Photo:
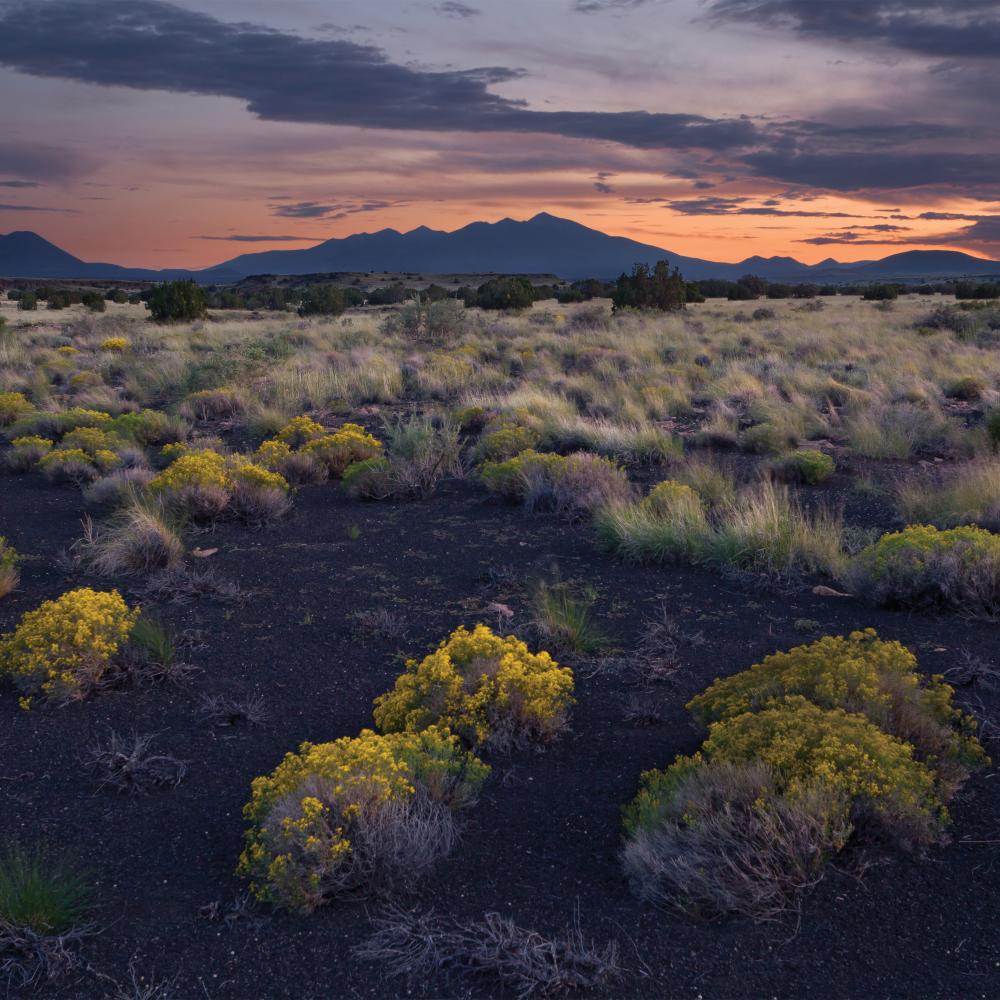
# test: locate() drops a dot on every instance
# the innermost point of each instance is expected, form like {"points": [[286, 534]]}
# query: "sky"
{"points": [[179, 133]]}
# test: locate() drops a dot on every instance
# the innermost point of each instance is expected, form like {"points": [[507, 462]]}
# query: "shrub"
{"points": [[363, 815], [196, 484], [862, 674], [920, 566], [203, 484], [115, 345], [506, 442], [299, 430], [351, 443], [871, 774], [9, 574], [26, 452], [567, 484], [418, 455], [723, 839], [488, 689], [807, 466], [148, 427], [177, 301], [13, 407], [71, 465], [63, 648]]}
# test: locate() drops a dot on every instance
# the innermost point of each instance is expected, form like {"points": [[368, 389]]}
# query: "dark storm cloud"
{"points": [[857, 170], [19, 184], [334, 211], [155, 45], [983, 235], [34, 163], [739, 206], [947, 29], [35, 208]]}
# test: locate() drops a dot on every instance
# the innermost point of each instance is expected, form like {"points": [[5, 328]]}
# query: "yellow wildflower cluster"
{"points": [[63, 648], [67, 350], [208, 470], [33, 441], [298, 430], [336, 450], [303, 815], [68, 462], [858, 673], [13, 406], [115, 344], [487, 688]]}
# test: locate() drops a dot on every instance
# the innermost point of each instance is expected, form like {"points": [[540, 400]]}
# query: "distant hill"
{"points": [[544, 243]]}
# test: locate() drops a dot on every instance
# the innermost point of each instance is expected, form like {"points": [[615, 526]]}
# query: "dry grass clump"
{"points": [[715, 851], [416, 945], [139, 539], [130, 764], [968, 494]]}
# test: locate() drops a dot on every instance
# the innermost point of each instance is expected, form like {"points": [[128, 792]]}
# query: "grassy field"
{"points": [[489, 566]]}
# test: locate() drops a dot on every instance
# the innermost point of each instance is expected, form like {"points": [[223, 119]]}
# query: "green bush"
{"points": [[920, 566], [808, 466], [177, 301]]}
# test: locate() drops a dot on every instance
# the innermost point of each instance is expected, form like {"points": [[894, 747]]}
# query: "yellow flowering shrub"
{"points": [[248, 473], [807, 747], [509, 479], [25, 451], [13, 406], [63, 648], [922, 566], [299, 430], [91, 440], [67, 350], [69, 464], [312, 819], [858, 673], [351, 443], [488, 689], [192, 469], [115, 345], [507, 441], [85, 380], [272, 453]]}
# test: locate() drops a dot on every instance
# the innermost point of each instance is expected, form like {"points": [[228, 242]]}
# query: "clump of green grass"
{"points": [[564, 617], [40, 893]]}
